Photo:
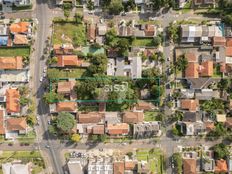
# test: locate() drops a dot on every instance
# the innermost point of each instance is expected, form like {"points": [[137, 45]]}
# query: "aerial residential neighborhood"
{"points": [[115, 87]]}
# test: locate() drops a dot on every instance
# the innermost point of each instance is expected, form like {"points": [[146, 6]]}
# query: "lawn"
{"points": [[154, 158], [72, 73], [28, 138], [8, 52], [216, 71], [150, 116], [69, 33], [143, 42]]}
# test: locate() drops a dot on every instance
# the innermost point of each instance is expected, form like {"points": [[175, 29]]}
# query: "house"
{"points": [[91, 117], [91, 32], [12, 101], [189, 104], [199, 33], [219, 41], [10, 63], [191, 116], [149, 30], [68, 61], [99, 129], [143, 167], [101, 29], [11, 168], [209, 126], [221, 166], [4, 40], [15, 127], [191, 70], [208, 164], [75, 166], [145, 106], [66, 106], [206, 69], [130, 165], [20, 39], [133, 117], [189, 166], [204, 94], [2, 122], [121, 67], [146, 129], [20, 27], [117, 129], [66, 87], [112, 118], [100, 165], [64, 49], [221, 118], [119, 167], [228, 122]]}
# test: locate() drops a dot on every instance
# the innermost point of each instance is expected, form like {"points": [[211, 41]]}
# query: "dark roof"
{"points": [[191, 116]]}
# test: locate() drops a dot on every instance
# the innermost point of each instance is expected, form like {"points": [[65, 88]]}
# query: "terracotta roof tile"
{"points": [[206, 68], [189, 166], [119, 168], [16, 124], [229, 51], [209, 126], [21, 27], [118, 129], [149, 30], [91, 32], [11, 62], [142, 105], [229, 42], [66, 106], [133, 117], [219, 41], [130, 165], [20, 39], [12, 100], [221, 166], [189, 104], [63, 49], [191, 57], [228, 122], [65, 87], [91, 117], [68, 60], [192, 70], [99, 129]]}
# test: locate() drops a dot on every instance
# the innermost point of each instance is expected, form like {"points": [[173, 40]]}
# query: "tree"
{"points": [[220, 151], [115, 7], [157, 41], [24, 90], [51, 97], [78, 18], [123, 46], [181, 63], [155, 91], [177, 162], [223, 84], [90, 5], [76, 138], [173, 32], [53, 73], [65, 122], [24, 101], [111, 38], [98, 64], [52, 129], [31, 120]]}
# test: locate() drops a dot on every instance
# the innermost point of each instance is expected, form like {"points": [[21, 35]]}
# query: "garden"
{"points": [[13, 51]]}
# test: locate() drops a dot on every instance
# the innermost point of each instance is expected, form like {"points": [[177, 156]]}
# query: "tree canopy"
{"points": [[98, 64], [181, 63], [65, 122], [220, 151], [76, 138], [115, 7]]}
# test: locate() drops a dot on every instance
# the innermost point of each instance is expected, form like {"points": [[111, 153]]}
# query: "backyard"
{"points": [[150, 116], [25, 157], [69, 33], [71, 73], [154, 157], [10, 51], [143, 42]]}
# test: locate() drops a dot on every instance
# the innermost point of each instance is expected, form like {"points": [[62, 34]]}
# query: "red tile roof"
{"points": [[118, 129], [133, 117], [99, 129], [219, 41], [228, 122], [229, 42], [65, 87], [130, 165], [119, 168], [16, 124], [192, 70], [21, 27], [91, 32], [189, 104], [191, 57], [66, 106], [206, 68], [149, 30], [221, 166], [68, 60], [11, 62], [20, 39], [12, 100], [229, 51], [142, 105], [189, 166], [91, 117]]}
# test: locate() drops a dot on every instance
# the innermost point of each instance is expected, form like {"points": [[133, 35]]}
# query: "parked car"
{"points": [[41, 79]]}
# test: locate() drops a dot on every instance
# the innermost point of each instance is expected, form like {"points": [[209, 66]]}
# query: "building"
{"points": [[117, 129], [100, 165], [11, 168], [221, 118], [11, 63], [2, 122], [101, 29], [189, 166], [189, 104], [91, 117], [144, 106], [12, 101], [74, 167], [4, 40], [65, 106], [146, 130], [15, 127], [68, 61], [208, 165], [133, 117], [64, 49], [221, 166], [119, 167], [66, 87], [91, 32], [20, 39], [20, 27]]}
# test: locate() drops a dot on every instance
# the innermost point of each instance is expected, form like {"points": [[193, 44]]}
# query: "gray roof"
{"points": [[146, 129], [9, 168], [208, 165], [75, 167], [191, 116]]}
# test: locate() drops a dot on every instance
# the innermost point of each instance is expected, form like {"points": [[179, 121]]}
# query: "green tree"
{"points": [[115, 7], [181, 63], [51, 97], [78, 18], [24, 101], [223, 84], [220, 151], [90, 5], [123, 46], [65, 122], [111, 38], [173, 32], [76, 138], [155, 91], [52, 129], [177, 162], [157, 41], [31, 120], [98, 64]]}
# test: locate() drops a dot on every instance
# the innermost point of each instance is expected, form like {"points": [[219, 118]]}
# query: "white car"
{"points": [[152, 18], [41, 79], [45, 69]]}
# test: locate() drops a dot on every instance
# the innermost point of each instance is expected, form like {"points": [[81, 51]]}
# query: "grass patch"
{"points": [[155, 22], [216, 71], [8, 52], [28, 138], [69, 33], [72, 73], [150, 116], [143, 42], [22, 7]]}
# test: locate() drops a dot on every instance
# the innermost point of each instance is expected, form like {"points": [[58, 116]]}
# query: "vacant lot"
{"points": [[54, 73], [8, 52], [143, 42], [69, 33]]}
